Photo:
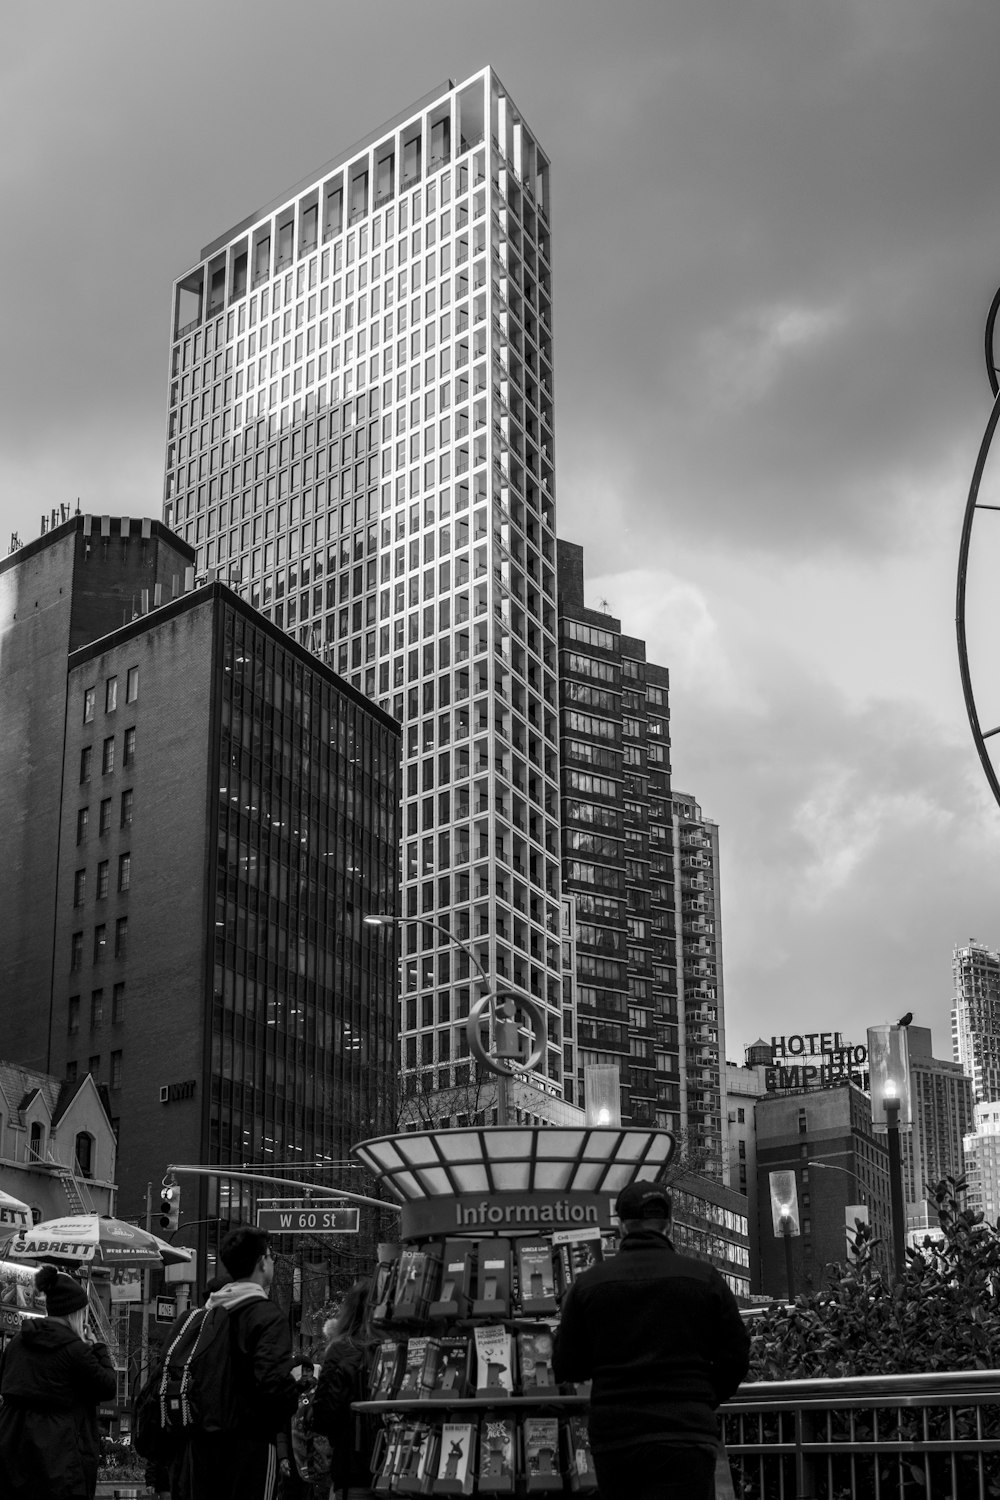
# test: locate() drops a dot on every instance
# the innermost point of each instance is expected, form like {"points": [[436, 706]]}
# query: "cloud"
{"points": [[763, 347], [850, 821], [847, 839]]}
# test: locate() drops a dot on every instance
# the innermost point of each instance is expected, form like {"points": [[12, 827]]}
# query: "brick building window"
{"points": [[76, 952], [111, 695], [82, 819], [73, 1015], [86, 761], [132, 685], [118, 1005], [121, 937], [102, 880], [126, 807], [104, 826], [128, 757], [116, 1070], [96, 1008], [100, 942], [108, 758], [89, 704], [124, 871], [79, 887]]}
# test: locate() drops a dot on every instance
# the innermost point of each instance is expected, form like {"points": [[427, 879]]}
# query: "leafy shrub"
{"points": [[943, 1313], [119, 1461]]}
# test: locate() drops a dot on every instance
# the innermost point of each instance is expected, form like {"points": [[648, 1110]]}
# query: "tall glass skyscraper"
{"points": [[360, 438]]}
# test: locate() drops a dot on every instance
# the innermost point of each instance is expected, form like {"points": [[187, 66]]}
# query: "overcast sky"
{"points": [[776, 236]]}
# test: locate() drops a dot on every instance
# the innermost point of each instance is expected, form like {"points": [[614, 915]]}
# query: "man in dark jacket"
{"points": [[242, 1464], [661, 1338]]}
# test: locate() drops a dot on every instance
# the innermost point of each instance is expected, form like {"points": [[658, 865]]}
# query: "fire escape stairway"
{"points": [[75, 1187]]}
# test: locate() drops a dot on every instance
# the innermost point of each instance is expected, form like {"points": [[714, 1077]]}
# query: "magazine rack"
{"points": [[496, 1223]]}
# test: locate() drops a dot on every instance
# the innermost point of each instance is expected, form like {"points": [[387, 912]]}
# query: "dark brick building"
{"points": [[79, 582], [218, 810], [824, 1136]]}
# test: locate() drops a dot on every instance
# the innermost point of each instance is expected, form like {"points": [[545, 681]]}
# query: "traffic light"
{"points": [[170, 1206]]}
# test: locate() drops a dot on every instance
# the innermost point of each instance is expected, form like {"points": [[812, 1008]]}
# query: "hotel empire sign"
{"points": [[815, 1059]]}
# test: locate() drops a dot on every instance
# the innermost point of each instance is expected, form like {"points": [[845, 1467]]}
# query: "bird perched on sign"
{"points": [[905, 1020]]}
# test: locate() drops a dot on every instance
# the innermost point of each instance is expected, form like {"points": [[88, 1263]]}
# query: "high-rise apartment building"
{"points": [[981, 1147], [360, 435], [975, 1017], [701, 991], [619, 868], [941, 1114], [745, 1085]]}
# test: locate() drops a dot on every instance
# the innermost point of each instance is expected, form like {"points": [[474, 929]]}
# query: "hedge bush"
{"points": [[943, 1313]]}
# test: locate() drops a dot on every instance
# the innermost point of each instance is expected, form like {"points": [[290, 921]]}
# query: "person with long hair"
{"points": [[52, 1379], [341, 1381]]}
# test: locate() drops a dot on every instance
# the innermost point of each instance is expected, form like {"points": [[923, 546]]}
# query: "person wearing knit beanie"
{"points": [[62, 1293], [53, 1380]]}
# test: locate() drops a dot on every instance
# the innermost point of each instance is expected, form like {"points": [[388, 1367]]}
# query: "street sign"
{"points": [[308, 1220], [165, 1310]]}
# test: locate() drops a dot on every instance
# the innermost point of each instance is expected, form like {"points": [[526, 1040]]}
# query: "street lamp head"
{"points": [[890, 1091], [379, 919]]}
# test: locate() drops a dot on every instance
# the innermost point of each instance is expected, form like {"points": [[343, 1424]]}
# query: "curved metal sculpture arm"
{"points": [[971, 506], [991, 318]]}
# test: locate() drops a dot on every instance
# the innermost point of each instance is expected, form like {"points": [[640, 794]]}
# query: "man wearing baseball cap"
{"points": [[661, 1338]]}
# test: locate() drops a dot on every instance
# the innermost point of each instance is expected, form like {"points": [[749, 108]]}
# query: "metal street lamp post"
{"points": [[785, 1218], [889, 1061], [896, 1210]]}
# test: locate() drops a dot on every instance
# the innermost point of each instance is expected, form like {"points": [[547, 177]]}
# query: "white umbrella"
{"points": [[173, 1255], [95, 1239], [15, 1216]]}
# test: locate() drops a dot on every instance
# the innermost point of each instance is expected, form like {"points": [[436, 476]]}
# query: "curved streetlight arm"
{"points": [[385, 920], [477, 1011], [831, 1166]]}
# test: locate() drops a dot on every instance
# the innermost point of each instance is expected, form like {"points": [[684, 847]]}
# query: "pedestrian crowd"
{"points": [[228, 1413]]}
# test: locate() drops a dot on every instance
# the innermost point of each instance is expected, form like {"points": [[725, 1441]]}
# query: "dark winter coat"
{"points": [[238, 1464], [51, 1383], [341, 1381], [661, 1337]]}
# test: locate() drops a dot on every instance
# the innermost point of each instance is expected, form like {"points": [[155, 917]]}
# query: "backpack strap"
{"points": [[196, 1312]]}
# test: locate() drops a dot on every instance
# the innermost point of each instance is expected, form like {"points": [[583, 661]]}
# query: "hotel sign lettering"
{"points": [[815, 1059]]}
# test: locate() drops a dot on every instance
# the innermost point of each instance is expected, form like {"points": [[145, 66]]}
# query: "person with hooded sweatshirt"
{"points": [[242, 1464], [52, 1378], [661, 1338]]}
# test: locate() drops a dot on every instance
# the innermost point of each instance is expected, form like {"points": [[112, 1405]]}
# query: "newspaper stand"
{"points": [[495, 1223]]}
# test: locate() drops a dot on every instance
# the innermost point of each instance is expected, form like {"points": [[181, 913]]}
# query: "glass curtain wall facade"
{"points": [[620, 985], [360, 437], [303, 1029]]}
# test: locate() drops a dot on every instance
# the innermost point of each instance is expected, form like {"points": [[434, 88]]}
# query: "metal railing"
{"points": [[873, 1437]]}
